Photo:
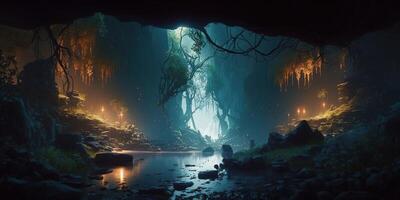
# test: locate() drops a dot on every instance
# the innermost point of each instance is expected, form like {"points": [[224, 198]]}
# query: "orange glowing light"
{"points": [[304, 111], [121, 175], [323, 104], [102, 109], [300, 71], [298, 111], [121, 114]]}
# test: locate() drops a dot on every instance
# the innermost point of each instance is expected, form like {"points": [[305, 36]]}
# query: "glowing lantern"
{"points": [[304, 111], [298, 111], [102, 109], [323, 104]]}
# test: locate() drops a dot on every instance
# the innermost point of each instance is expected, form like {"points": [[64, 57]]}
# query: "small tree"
{"points": [[175, 76]]}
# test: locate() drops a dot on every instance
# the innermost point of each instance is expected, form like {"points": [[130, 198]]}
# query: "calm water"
{"points": [[161, 169]]}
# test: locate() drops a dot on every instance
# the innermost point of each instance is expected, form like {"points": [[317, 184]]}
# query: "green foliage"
{"points": [[174, 78], [63, 161], [282, 153], [198, 39], [241, 155], [177, 71], [287, 153]]}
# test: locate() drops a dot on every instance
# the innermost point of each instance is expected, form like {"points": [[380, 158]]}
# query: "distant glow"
{"points": [[323, 104], [102, 109], [304, 111], [205, 118], [298, 111], [179, 30], [206, 122]]}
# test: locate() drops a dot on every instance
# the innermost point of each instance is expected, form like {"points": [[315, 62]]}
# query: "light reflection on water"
{"points": [[161, 169]]}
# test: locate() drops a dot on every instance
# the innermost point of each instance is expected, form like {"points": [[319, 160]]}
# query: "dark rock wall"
{"points": [[28, 113]]}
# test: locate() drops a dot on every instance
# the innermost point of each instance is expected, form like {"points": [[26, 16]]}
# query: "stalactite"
{"points": [[86, 65], [303, 72]]}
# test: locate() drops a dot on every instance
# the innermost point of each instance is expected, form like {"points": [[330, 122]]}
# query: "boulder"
{"points": [[226, 151], [209, 174], [182, 185], [275, 140], [208, 151], [37, 81], [95, 177], [303, 134], [101, 171], [113, 159]]}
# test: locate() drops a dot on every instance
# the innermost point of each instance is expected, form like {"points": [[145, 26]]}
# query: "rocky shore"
{"points": [[362, 164]]}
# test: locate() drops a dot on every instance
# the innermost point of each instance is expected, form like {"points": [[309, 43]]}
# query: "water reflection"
{"points": [[161, 169], [121, 175]]}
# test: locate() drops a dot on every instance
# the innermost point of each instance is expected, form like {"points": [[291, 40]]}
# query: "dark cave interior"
{"points": [[200, 100]]}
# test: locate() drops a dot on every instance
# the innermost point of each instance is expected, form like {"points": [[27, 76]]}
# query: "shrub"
{"points": [[63, 161]]}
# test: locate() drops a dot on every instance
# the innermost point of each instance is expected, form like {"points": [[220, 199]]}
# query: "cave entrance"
{"points": [[199, 109], [204, 119]]}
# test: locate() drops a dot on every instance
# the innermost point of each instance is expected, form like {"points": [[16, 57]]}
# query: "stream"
{"points": [[162, 169]]}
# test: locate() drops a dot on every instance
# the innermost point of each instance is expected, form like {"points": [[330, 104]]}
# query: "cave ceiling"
{"points": [[317, 22]]}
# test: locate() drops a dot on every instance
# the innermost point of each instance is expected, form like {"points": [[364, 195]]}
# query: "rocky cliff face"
{"points": [[28, 110]]}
